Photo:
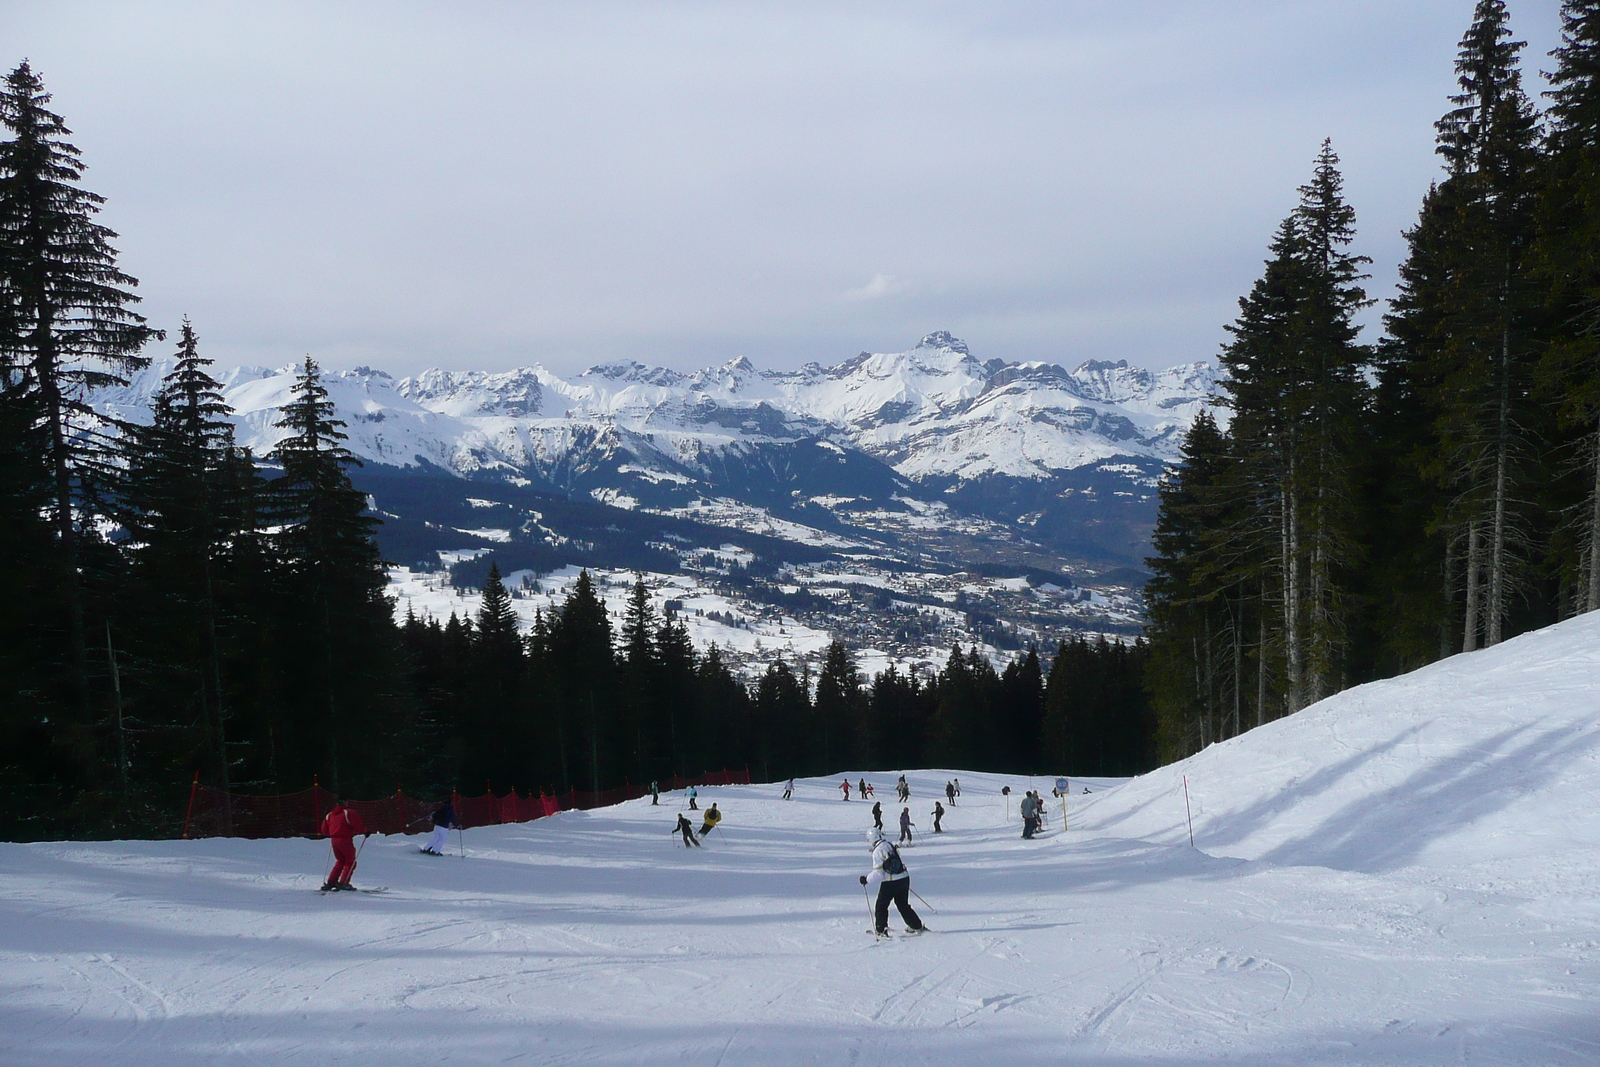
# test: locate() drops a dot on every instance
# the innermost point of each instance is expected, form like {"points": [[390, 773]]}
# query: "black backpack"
{"points": [[892, 863]]}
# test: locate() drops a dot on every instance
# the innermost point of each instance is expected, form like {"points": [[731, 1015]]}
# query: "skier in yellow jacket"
{"points": [[712, 817]]}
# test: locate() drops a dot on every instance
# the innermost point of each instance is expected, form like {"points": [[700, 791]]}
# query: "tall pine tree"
{"points": [[66, 327]]}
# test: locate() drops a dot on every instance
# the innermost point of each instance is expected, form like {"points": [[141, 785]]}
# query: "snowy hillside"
{"points": [[1404, 874]]}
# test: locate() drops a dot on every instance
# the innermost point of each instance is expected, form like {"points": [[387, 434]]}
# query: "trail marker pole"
{"points": [[1187, 811], [461, 839]]}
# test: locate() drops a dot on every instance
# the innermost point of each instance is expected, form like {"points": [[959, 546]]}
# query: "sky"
{"points": [[489, 185]]}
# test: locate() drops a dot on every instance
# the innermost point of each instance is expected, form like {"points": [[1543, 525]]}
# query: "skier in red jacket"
{"points": [[341, 826]]}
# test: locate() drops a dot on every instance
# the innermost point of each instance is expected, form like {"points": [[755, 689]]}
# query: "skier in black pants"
{"points": [[655, 795], [788, 790], [950, 793], [894, 884], [687, 831], [938, 813], [1029, 806], [905, 826], [877, 814]]}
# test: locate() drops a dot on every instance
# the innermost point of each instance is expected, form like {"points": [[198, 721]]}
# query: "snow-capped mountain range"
{"points": [[1010, 442]]}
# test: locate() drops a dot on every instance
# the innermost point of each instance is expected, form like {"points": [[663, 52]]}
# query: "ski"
{"points": [[353, 889]]}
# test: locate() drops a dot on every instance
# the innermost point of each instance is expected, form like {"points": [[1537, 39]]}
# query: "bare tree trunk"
{"points": [[1469, 634], [1199, 688], [1293, 663], [1495, 609], [1449, 597], [1592, 601], [1261, 660], [1238, 664], [1319, 638], [1211, 683]]}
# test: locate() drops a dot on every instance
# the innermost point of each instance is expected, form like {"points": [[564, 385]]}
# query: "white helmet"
{"points": [[874, 836]]}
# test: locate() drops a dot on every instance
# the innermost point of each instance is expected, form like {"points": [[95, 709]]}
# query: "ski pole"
{"points": [[872, 920], [925, 904]]}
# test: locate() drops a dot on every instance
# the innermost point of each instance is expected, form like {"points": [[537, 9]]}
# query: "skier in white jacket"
{"points": [[889, 874]]}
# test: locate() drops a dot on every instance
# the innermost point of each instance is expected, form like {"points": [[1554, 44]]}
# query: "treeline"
{"points": [[576, 704], [176, 605], [1367, 509]]}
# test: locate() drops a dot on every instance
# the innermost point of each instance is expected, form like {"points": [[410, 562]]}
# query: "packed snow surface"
{"points": [[1403, 874]]}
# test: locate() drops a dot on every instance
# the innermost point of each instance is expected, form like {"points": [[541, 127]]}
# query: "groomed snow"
{"points": [[1404, 874]]}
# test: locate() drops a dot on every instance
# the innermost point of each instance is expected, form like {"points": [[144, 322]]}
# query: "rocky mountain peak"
{"points": [[944, 339]]}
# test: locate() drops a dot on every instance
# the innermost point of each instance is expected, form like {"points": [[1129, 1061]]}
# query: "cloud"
{"points": [[881, 285]]}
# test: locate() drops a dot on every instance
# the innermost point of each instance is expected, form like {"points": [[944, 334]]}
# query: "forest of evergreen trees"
{"points": [[177, 605], [1370, 508]]}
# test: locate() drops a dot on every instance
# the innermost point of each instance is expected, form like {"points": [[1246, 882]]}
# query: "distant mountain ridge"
{"points": [[1013, 443]]}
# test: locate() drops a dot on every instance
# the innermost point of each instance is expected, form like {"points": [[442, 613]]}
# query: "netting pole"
{"points": [[193, 788]]}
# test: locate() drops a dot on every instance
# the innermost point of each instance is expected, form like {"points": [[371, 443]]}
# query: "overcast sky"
{"points": [[487, 185]]}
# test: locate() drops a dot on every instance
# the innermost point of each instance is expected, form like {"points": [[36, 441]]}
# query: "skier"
{"points": [[341, 826], [877, 814], [938, 813], [845, 785], [902, 790], [712, 817], [1027, 816], [692, 794], [861, 790], [655, 793], [957, 784], [444, 820], [950, 793], [905, 826], [894, 883], [869, 789], [788, 790], [686, 830]]}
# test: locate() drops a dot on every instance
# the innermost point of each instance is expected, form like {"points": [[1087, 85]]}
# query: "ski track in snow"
{"points": [[1404, 874]]}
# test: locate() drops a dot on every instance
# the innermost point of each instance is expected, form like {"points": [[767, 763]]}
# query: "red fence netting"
{"points": [[213, 813]]}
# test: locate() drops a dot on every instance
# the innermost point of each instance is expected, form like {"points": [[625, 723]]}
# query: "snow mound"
{"points": [[1489, 759]]}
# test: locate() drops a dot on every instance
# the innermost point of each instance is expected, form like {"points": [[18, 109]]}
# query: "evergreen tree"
{"points": [[676, 711], [582, 674], [65, 328], [340, 642], [651, 722], [1567, 266], [724, 706], [1468, 314], [1208, 575], [1022, 713], [497, 726], [783, 716], [839, 708], [1296, 387], [180, 510]]}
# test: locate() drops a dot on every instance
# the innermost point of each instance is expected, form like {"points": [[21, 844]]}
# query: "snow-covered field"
{"points": [[1405, 874]]}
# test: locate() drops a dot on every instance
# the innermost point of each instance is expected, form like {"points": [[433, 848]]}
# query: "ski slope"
{"points": [[1404, 874]]}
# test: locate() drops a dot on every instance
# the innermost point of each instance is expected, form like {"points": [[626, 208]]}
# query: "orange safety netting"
{"points": [[213, 813]]}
